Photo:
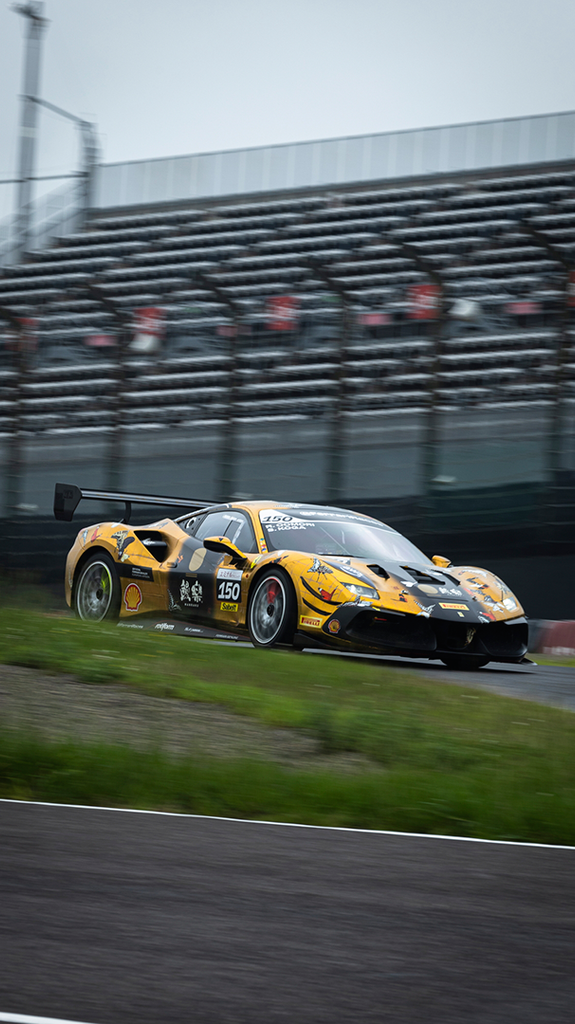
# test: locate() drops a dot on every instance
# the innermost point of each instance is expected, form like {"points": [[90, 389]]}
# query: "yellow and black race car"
{"points": [[287, 573]]}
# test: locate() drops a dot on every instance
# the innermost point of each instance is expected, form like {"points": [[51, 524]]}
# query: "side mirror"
{"points": [[226, 547], [441, 561]]}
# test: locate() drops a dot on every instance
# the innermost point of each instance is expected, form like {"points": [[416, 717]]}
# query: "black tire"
{"points": [[272, 609], [97, 589], [463, 663]]}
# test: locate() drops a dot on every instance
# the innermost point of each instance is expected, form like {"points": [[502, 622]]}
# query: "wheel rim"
{"points": [[94, 594], [267, 610]]}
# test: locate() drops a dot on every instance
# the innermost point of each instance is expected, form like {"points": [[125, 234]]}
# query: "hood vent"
{"points": [[424, 577], [377, 569]]}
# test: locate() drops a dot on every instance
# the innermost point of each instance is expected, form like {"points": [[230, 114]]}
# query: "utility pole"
{"points": [[337, 444], [229, 442], [33, 12]]}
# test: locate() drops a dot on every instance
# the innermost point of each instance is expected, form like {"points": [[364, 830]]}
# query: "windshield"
{"points": [[327, 532]]}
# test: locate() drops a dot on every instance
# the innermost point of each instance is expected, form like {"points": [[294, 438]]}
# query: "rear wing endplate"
{"points": [[67, 497]]}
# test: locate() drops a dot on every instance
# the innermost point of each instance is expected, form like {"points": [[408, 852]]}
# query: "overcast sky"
{"points": [[164, 77]]}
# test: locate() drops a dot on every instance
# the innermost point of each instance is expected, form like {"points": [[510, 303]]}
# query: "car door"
{"points": [[203, 586]]}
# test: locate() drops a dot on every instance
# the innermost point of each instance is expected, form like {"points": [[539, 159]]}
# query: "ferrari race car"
{"points": [[287, 573]]}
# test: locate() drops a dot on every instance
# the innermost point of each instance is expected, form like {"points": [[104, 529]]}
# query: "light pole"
{"points": [[33, 12]]}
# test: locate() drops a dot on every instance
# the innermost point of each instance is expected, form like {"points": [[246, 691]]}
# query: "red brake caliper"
{"points": [[273, 590]]}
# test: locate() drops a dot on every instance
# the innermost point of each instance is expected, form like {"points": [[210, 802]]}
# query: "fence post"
{"points": [[432, 425], [15, 447], [115, 456], [556, 500], [226, 485], [338, 440], [227, 482]]}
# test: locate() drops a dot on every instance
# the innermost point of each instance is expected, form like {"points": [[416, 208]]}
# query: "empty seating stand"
{"points": [[473, 232]]}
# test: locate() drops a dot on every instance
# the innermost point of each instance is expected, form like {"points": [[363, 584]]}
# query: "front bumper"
{"points": [[416, 636]]}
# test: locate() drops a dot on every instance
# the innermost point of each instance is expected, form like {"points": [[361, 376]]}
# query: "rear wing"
{"points": [[67, 497]]}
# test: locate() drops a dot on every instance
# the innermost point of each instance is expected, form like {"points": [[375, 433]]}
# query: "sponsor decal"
{"points": [[132, 597], [228, 606], [306, 620], [164, 626], [191, 594], [130, 625], [137, 572], [319, 568], [228, 591], [88, 537], [334, 626], [263, 547], [192, 629], [122, 539], [426, 609], [452, 604], [229, 574], [350, 571]]}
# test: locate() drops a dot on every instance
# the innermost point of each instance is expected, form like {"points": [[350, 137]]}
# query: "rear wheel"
{"points": [[97, 589], [272, 610], [464, 664]]}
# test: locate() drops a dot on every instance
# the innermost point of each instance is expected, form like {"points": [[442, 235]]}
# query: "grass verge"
{"points": [[502, 805], [448, 760]]}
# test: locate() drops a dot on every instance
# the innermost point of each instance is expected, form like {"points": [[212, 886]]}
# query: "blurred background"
{"points": [[384, 321]]}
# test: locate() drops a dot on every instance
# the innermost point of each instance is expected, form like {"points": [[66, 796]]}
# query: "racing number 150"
{"points": [[228, 591]]}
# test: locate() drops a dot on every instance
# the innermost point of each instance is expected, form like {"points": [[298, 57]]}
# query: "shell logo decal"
{"points": [[132, 597]]}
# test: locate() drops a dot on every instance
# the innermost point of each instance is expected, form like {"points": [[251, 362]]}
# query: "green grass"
{"points": [[492, 805], [446, 759]]}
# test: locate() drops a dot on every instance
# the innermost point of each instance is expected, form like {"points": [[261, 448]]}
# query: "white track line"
{"points": [[24, 1018], [287, 824]]}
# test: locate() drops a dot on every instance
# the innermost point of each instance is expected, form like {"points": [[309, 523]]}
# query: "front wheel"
{"points": [[272, 610], [464, 664], [97, 589]]}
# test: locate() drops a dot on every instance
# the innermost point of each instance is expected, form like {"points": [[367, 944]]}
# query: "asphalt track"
{"points": [[553, 685], [118, 917], [544, 684]]}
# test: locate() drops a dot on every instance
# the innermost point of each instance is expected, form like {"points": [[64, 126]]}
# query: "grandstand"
{"points": [[351, 261]]}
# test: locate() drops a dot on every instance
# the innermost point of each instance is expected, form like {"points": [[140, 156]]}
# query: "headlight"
{"points": [[362, 591]]}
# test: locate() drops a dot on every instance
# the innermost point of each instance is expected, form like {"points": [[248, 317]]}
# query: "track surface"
{"points": [[545, 684], [114, 918]]}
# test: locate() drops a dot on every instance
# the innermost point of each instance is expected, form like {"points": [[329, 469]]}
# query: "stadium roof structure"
{"points": [[454, 149]]}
